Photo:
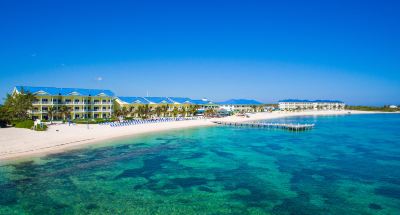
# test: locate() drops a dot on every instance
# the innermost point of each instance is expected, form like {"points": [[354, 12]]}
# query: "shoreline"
{"points": [[20, 144]]}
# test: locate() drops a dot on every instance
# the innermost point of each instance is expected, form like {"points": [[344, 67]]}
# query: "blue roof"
{"points": [[201, 102], [134, 100], [240, 102], [163, 100], [54, 91], [159, 100], [311, 101], [181, 100]]}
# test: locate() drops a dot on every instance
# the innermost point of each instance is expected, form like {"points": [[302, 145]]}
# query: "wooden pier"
{"points": [[285, 126]]}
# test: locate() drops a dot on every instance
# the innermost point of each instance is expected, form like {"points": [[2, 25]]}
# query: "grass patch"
{"points": [[28, 124], [24, 124], [91, 121]]}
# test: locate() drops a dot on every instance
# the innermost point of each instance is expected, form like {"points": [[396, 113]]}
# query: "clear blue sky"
{"points": [[265, 50]]}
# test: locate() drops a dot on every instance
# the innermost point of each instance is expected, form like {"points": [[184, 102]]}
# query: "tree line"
{"points": [[15, 108], [146, 111], [385, 108]]}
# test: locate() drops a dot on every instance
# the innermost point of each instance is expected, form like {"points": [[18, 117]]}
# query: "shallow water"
{"points": [[345, 165]]}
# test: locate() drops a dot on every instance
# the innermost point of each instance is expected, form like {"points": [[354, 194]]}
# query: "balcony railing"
{"points": [[73, 111], [39, 111], [72, 103]]}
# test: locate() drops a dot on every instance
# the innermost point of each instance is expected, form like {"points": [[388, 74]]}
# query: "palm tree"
{"points": [[254, 107], [143, 111], [64, 111], [117, 112], [193, 109], [51, 112], [158, 110], [175, 112], [183, 111], [132, 111], [164, 110], [124, 112], [209, 112], [139, 111]]}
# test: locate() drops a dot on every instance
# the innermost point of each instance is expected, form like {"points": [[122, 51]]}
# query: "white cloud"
{"points": [[99, 78]]}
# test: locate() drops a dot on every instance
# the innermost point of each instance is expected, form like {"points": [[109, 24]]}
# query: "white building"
{"points": [[295, 104]]}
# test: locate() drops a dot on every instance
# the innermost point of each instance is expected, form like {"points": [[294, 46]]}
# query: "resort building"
{"points": [[79, 103], [204, 104], [165, 106], [295, 104], [241, 106]]}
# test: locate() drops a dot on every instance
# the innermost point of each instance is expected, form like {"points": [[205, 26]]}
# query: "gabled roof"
{"points": [[162, 100], [181, 100], [311, 101], [240, 102], [158, 100], [54, 91], [201, 102], [133, 100]]}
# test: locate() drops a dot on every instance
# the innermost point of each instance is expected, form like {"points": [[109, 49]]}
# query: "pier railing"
{"points": [[286, 126]]}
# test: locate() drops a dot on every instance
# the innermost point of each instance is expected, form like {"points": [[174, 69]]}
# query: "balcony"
{"points": [[71, 103], [78, 111]]}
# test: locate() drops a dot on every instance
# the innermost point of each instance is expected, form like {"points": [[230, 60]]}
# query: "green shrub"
{"points": [[24, 124], [43, 128]]}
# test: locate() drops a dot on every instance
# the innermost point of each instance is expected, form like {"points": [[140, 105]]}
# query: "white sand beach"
{"points": [[20, 143]]}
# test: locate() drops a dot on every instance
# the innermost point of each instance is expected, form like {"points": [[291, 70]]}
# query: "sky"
{"points": [[264, 50]]}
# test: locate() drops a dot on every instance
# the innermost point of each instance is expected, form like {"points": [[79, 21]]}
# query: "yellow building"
{"points": [[81, 103], [169, 103]]}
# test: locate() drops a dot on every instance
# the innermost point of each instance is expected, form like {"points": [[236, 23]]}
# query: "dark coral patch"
{"points": [[375, 206], [189, 182], [92, 206], [391, 192]]}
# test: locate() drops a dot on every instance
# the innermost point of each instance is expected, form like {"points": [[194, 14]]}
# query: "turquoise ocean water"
{"points": [[346, 165]]}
